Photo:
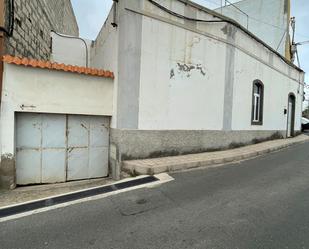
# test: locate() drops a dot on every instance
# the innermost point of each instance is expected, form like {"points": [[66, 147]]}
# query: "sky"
{"points": [[91, 15]]}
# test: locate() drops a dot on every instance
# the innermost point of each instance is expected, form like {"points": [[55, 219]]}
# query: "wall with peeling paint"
{"points": [[183, 86], [198, 76]]}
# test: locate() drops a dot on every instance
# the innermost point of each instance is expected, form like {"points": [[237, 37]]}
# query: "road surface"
{"points": [[262, 203]]}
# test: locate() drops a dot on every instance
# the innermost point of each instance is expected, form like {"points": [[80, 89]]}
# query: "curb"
{"points": [[208, 159], [49, 202]]}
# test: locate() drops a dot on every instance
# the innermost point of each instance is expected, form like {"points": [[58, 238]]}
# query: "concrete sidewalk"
{"points": [[208, 159], [30, 193]]}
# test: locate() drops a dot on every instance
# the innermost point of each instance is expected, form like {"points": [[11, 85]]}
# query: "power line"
{"points": [[182, 16]]}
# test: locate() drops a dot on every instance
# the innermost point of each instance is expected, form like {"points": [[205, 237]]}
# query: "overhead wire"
{"points": [[182, 16], [225, 20], [77, 38]]}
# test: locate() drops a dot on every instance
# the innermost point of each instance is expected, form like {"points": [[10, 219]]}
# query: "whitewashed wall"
{"points": [[28, 89], [70, 50], [173, 99], [276, 90], [104, 54], [269, 20]]}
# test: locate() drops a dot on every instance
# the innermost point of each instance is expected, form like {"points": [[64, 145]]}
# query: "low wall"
{"points": [[140, 144]]}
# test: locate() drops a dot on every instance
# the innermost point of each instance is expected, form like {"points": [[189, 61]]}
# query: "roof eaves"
{"points": [[57, 66]]}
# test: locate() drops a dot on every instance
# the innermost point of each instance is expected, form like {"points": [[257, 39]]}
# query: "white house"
{"points": [[185, 79], [188, 80]]}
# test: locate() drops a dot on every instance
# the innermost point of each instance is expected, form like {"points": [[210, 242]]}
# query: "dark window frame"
{"points": [[293, 96], [261, 110]]}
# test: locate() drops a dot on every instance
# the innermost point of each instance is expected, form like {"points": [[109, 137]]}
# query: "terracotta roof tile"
{"points": [[57, 66]]}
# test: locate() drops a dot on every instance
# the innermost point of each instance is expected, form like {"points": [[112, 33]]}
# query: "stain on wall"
{"points": [[7, 172], [186, 70]]}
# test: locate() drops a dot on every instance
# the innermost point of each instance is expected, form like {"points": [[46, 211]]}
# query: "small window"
{"points": [[257, 103]]}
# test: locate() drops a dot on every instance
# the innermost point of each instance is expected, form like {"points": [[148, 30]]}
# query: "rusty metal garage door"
{"points": [[57, 148]]}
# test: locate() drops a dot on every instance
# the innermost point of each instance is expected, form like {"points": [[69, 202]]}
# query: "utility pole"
{"points": [[294, 45]]}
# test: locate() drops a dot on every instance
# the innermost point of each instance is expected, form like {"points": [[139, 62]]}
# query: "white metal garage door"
{"points": [[57, 148]]}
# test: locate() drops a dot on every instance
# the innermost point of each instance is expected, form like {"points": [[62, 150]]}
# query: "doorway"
{"points": [[291, 116]]}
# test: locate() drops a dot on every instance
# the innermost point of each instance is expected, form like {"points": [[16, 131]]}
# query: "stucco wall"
{"points": [[104, 54], [181, 86], [71, 50], [191, 82], [43, 91], [277, 88], [36, 90], [199, 76], [269, 20]]}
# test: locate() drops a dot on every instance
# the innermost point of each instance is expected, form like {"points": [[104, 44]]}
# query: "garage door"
{"points": [[57, 148]]}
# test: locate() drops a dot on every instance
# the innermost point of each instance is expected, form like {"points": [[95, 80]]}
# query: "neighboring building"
{"points": [[268, 20], [25, 31], [186, 80], [54, 122], [29, 24]]}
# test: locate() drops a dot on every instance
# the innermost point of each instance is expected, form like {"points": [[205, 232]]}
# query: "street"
{"points": [[261, 203]]}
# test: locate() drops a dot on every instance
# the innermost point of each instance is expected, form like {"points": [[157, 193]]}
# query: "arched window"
{"points": [[257, 103]]}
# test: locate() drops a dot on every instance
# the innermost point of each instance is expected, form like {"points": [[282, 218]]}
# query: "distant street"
{"points": [[261, 203]]}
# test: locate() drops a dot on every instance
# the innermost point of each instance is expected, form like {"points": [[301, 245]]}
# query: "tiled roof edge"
{"points": [[57, 66]]}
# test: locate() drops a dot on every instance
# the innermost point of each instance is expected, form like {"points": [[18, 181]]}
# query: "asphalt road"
{"points": [[262, 203]]}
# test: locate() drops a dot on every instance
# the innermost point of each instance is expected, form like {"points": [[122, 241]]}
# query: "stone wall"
{"points": [[32, 25]]}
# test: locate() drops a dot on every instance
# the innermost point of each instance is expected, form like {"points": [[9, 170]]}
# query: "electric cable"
{"points": [[78, 38], [185, 17], [223, 19]]}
